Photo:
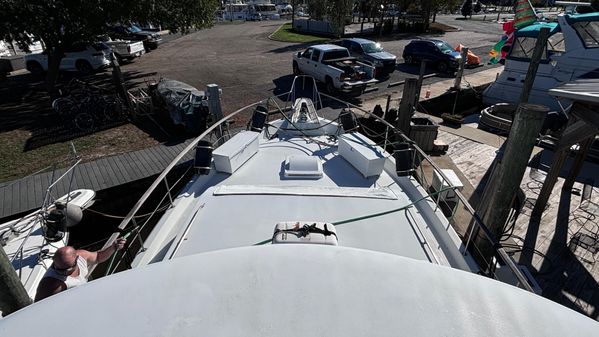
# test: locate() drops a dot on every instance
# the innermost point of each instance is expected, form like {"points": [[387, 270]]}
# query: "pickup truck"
{"points": [[151, 40], [333, 66], [125, 49]]}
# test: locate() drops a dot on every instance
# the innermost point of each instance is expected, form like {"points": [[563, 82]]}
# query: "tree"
{"points": [[467, 8], [59, 23], [477, 7], [335, 11], [595, 4]]}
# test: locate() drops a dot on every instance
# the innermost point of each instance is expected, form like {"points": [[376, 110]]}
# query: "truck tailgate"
{"points": [[136, 47]]}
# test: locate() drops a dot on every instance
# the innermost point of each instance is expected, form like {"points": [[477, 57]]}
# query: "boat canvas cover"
{"points": [[180, 98], [534, 29]]}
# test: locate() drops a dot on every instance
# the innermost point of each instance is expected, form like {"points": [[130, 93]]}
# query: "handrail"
{"points": [[477, 221], [166, 171], [38, 215]]}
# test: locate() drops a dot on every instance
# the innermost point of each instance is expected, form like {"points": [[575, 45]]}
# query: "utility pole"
{"points": [[534, 64], [14, 296], [406, 106]]}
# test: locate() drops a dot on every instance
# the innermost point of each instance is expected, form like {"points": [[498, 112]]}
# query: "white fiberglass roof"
{"points": [[242, 209], [296, 290]]}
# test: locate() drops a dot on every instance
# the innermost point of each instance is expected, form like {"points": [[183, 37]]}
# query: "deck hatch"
{"points": [[302, 167]]}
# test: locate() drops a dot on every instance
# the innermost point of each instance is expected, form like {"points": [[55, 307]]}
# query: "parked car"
{"points": [[372, 53], [124, 49], [436, 52], [333, 66], [150, 39], [81, 57]]}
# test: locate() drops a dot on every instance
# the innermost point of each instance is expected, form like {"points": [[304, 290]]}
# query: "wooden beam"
{"points": [[578, 163], [575, 133], [588, 113], [550, 180], [406, 106]]}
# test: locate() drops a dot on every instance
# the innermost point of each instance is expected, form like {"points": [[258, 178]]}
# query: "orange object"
{"points": [[471, 59]]}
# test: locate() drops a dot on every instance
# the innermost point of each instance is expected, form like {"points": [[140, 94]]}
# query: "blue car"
{"points": [[436, 52]]}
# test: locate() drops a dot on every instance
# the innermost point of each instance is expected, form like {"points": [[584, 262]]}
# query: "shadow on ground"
{"points": [[563, 272], [25, 104]]}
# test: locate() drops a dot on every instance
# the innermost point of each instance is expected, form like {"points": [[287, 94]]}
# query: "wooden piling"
{"points": [[534, 64], [406, 107], [14, 296]]}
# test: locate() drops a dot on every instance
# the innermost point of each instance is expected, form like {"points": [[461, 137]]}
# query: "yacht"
{"points": [[306, 223], [572, 53]]}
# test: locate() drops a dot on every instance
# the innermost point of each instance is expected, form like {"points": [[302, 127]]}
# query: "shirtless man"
{"points": [[70, 268]]}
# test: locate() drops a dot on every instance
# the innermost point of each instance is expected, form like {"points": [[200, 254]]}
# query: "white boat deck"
{"points": [[242, 209]]}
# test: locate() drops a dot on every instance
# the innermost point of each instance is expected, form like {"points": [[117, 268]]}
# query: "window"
{"points": [[523, 48], [444, 47], [308, 53], [335, 54], [588, 33], [556, 43], [315, 55], [76, 47], [372, 47]]}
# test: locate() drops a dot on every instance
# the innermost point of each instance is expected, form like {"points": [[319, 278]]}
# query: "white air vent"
{"points": [[313, 232], [303, 167]]}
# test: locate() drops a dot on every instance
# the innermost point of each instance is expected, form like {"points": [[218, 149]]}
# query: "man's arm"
{"points": [[101, 255], [47, 287]]}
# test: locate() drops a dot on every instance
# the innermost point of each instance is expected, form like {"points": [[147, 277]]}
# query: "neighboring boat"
{"points": [[303, 226], [572, 53], [31, 241]]}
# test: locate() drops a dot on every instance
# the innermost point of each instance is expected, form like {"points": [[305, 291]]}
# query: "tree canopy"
{"points": [[58, 23]]}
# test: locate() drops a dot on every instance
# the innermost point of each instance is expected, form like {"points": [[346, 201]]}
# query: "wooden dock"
{"points": [[26, 194], [566, 240]]}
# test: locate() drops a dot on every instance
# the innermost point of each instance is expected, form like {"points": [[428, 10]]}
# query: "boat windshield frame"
{"points": [[588, 39]]}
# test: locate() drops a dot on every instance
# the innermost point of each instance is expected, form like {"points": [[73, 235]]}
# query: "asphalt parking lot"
{"points": [[248, 66]]}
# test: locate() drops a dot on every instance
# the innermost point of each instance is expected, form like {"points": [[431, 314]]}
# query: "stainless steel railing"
{"points": [[476, 227]]}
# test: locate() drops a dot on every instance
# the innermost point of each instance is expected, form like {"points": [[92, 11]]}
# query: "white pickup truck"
{"points": [[125, 49], [333, 66]]}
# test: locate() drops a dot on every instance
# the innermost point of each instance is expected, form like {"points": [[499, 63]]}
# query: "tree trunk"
{"points": [[54, 58]]}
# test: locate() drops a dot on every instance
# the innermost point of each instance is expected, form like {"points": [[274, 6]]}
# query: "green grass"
{"points": [[286, 34], [17, 163]]}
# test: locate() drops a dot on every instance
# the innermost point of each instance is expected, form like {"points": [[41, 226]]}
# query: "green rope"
{"points": [[374, 215], [115, 254]]}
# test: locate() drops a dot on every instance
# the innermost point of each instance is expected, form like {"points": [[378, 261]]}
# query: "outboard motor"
{"points": [[60, 218]]}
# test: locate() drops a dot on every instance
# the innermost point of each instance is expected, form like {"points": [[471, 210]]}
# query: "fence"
{"points": [[313, 26]]}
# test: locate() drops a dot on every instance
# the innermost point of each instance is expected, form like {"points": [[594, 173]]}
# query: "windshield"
{"points": [[444, 47], [372, 47], [335, 54], [134, 29], [588, 32]]}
